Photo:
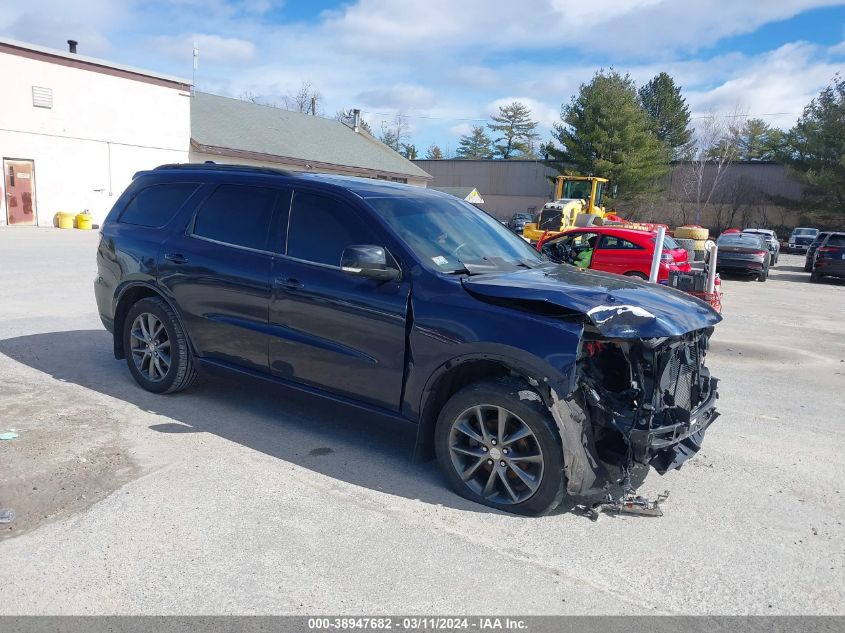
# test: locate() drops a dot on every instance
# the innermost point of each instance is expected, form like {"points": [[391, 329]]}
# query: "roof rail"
{"points": [[210, 166]]}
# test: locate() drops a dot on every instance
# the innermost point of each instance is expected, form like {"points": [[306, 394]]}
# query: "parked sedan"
{"points": [[743, 253], [811, 250], [772, 242], [615, 250], [801, 238], [829, 260]]}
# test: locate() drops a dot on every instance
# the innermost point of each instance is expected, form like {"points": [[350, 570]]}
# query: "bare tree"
{"points": [[714, 150], [396, 133], [738, 193], [306, 99]]}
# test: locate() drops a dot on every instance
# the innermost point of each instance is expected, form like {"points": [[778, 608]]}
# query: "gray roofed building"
{"points": [[249, 133]]}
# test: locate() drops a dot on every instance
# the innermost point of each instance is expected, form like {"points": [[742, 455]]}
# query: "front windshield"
{"points": [[451, 236], [805, 232], [576, 189]]}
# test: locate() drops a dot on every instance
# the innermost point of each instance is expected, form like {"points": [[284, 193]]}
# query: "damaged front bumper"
{"points": [[644, 401], [668, 447]]}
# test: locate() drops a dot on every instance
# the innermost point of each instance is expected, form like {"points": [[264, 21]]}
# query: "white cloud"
{"points": [[212, 48], [398, 97], [462, 129]]}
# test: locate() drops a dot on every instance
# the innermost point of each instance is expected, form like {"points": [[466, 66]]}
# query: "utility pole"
{"points": [[313, 105], [196, 63]]}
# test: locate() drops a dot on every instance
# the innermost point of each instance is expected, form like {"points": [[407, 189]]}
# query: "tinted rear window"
{"points": [[836, 240], [237, 214], [156, 205], [750, 241]]}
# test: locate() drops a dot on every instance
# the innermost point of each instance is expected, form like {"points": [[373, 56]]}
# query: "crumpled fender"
{"points": [[584, 472]]}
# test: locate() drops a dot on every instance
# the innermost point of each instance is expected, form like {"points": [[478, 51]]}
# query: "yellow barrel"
{"points": [[83, 221], [64, 220]]}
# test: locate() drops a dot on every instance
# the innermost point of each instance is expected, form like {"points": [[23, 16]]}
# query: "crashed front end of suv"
{"points": [[640, 392]]}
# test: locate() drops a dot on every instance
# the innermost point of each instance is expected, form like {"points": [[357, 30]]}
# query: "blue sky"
{"points": [[446, 64]]}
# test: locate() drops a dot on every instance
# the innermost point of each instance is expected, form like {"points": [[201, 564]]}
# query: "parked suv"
{"points": [[811, 250], [524, 378]]}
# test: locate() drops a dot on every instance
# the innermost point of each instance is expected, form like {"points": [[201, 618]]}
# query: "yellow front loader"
{"points": [[577, 202]]}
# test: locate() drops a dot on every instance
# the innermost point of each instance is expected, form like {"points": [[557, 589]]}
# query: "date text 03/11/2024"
{"points": [[418, 623]]}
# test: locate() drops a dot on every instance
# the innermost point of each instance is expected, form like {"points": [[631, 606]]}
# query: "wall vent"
{"points": [[42, 97]]}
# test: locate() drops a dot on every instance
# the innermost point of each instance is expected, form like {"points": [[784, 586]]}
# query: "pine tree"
{"points": [[409, 151], [513, 130], [475, 145], [816, 149], [605, 132], [669, 113], [757, 140]]}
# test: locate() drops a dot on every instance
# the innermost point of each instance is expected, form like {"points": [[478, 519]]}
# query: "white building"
{"points": [[73, 131]]}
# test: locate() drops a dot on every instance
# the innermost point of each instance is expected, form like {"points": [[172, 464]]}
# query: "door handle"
{"points": [[288, 283], [176, 258]]}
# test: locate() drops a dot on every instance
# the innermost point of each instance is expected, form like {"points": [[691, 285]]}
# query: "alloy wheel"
{"points": [[150, 346], [496, 454]]}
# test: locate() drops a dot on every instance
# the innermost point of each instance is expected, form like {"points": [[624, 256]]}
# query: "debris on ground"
{"points": [[7, 515], [8, 436], [629, 503]]}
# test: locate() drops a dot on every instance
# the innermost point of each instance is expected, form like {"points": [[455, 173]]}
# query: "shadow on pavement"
{"points": [[325, 437]]}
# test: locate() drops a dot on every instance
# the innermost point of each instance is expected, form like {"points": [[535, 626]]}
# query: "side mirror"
{"points": [[368, 260]]}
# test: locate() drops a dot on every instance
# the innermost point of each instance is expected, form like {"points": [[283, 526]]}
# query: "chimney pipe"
{"points": [[71, 46], [356, 120]]}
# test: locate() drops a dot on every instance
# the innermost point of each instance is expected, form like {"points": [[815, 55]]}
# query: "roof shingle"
{"points": [[225, 123]]}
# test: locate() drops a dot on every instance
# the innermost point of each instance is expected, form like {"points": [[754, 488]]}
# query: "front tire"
{"points": [[497, 444], [157, 351]]}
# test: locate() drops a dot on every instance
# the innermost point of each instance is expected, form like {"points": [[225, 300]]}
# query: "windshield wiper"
{"points": [[457, 271]]}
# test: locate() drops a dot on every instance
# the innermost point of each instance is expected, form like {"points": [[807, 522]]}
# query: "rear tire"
{"points": [[159, 360], [808, 267], [815, 277], [637, 274], [480, 461], [763, 275]]}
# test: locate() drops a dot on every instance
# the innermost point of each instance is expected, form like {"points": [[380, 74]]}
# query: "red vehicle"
{"points": [[615, 250]]}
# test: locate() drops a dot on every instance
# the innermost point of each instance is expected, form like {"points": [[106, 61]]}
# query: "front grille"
{"points": [[683, 375]]}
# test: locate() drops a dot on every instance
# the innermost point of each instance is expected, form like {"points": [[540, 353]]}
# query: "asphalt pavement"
{"points": [[239, 499]]}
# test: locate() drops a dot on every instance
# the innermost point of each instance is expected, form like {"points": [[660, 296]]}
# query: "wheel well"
{"points": [[449, 383], [127, 300]]}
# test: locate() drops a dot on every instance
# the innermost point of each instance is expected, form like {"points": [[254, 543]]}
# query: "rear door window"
{"points": [[320, 227], [239, 215], [611, 242], [836, 240], [156, 205]]}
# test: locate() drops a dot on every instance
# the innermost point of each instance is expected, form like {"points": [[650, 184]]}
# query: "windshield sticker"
{"points": [[440, 260]]}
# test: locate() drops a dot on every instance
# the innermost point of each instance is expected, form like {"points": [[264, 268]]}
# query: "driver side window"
{"points": [[320, 228], [557, 250]]}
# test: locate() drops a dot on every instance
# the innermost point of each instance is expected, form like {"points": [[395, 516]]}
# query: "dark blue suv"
{"points": [[527, 379]]}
